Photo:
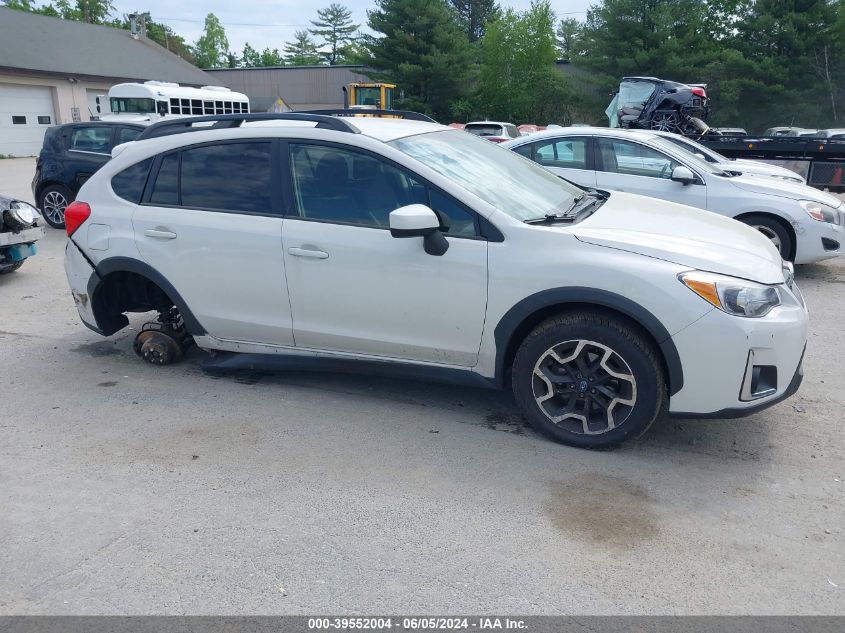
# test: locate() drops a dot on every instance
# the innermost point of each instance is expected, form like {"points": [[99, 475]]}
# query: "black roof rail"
{"points": [[224, 121], [410, 115]]}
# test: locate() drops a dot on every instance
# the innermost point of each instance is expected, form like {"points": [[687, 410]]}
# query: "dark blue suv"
{"points": [[71, 153]]}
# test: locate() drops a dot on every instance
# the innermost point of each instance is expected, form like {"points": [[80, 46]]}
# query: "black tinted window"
{"points": [[166, 187], [126, 134], [350, 187], [129, 184], [91, 139], [229, 177]]}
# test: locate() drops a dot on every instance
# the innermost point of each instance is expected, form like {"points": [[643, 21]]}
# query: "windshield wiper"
{"points": [[550, 218]]}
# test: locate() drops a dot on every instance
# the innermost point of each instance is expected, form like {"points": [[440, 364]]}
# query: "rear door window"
{"points": [[227, 177], [567, 153], [126, 134], [166, 188]]}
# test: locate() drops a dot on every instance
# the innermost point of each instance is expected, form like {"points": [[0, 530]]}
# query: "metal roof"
{"points": [[43, 44]]}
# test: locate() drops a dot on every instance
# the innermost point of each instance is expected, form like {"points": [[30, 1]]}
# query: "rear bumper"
{"points": [[79, 273]]}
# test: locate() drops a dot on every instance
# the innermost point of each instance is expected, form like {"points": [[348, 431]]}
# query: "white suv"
{"points": [[805, 224], [414, 249]]}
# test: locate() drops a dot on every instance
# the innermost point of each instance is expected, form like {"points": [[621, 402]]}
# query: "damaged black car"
{"points": [[649, 103]]}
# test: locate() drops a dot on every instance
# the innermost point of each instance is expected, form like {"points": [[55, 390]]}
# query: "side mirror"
{"points": [[417, 220], [683, 175]]}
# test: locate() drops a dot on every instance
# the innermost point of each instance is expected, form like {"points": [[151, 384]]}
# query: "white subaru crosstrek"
{"points": [[407, 247], [805, 224]]}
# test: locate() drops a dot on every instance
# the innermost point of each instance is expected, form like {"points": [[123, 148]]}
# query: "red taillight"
{"points": [[497, 139], [699, 92], [75, 214]]}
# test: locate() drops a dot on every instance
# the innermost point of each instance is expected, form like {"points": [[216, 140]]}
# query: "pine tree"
{"points": [[334, 24], [421, 48], [567, 34], [474, 15], [302, 51]]}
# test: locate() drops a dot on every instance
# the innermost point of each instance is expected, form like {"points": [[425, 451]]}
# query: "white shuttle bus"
{"points": [[153, 101]]}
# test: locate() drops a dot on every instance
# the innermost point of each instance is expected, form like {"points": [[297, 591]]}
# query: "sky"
{"points": [[271, 23]]}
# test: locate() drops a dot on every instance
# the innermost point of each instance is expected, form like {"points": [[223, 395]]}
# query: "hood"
{"points": [[683, 235], [757, 168], [783, 189]]}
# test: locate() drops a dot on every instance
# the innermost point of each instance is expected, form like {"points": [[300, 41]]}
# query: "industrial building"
{"points": [[52, 70], [300, 87]]}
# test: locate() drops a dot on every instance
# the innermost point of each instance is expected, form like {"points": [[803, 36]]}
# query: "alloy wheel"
{"points": [[584, 387], [54, 207], [774, 237]]}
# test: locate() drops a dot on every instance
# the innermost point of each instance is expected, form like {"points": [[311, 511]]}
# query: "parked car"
{"points": [[19, 231], [70, 154], [413, 249], [738, 166], [805, 224], [729, 131], [785, 131], [657, 104], [832, 133], [495, 131]]}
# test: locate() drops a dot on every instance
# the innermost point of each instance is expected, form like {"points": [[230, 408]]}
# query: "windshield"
{"points": [[483, 129], [132, 104], [503, 178], [688, 156], [710, 155]]}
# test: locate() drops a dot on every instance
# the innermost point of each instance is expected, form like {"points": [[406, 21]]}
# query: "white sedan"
{"points": [[805, 224]]}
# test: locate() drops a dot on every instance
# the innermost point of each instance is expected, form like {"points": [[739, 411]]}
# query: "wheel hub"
{"points": [[584, 387]]}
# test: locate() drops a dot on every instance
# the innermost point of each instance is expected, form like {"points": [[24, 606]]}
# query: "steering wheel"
{"points": [[665, 169]]}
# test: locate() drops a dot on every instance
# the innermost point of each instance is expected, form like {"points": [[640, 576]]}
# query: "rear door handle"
{"points": [[160, 235], [307, 252]]}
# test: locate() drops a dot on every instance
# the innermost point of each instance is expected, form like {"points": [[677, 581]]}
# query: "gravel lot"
{"points": [[130, 489]]}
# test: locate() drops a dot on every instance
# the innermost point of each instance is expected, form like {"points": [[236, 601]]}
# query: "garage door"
{"points": [[25, 112]]}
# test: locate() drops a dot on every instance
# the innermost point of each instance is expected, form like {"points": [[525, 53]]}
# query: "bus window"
{"points": [[132, 104], [174, 107]]}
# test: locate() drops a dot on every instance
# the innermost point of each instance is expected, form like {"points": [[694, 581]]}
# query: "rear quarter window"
{"points": [[129, 183]]}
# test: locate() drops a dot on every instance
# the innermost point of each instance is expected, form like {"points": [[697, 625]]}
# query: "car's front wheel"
{"points": [[53, 201], [773, 230], [589, 380]]}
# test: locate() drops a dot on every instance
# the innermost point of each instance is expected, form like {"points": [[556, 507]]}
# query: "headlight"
{"points": [[23, 214], [788, 273], [734, 296], [820, 212]]}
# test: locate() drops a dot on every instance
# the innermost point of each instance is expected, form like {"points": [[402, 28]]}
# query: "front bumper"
{"points": [[817, 241], [720, 353]]}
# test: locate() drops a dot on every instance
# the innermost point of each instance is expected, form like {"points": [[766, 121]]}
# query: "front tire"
{"points": [[52, 202], [775, 231], [589, 380], [12, 268]]}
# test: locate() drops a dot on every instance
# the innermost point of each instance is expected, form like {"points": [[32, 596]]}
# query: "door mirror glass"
{"points": [[418, 220], [683, 175]]}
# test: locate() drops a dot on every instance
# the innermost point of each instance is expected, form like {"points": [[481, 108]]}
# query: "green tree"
{"points": [[212, 48], [566, 38], [302, 51], [271, 57], [335, 26], [420, 47], [474, 15], [518, 54], [250, 58]]}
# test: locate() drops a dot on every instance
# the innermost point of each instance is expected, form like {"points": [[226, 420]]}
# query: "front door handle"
{"points": [[307, 252], [160, 235]]}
